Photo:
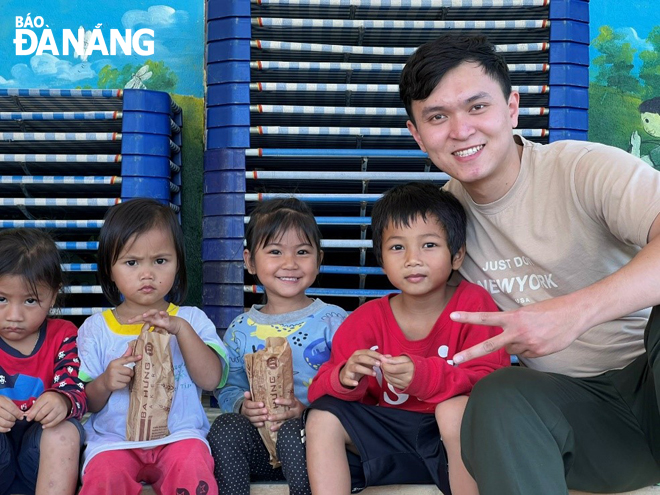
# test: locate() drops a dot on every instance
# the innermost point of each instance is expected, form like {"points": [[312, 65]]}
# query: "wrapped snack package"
{"points": [[270, 373], [152, 387]]}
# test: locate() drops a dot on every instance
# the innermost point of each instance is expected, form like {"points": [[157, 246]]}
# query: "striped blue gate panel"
{"points": [[66, 156], [303, 100]]}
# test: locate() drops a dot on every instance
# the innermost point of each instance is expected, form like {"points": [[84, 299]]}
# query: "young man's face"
{"points": [[416, 259], [465, 126]]}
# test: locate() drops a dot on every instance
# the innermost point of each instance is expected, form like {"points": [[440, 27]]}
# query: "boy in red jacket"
{"points": [[395, 352]]}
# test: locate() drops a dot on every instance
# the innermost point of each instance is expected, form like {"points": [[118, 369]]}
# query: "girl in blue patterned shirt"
{"points": [[284, 253]]}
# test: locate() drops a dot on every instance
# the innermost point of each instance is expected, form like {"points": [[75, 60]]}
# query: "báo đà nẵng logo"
{"points": [[81, 43]]}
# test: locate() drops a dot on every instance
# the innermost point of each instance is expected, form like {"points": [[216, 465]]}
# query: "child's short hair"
{"points": [[650, 106], [133, 218], [430, 63], [33, 255], [402, 204], [272, 218]]}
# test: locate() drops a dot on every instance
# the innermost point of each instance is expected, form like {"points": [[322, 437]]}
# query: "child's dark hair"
{"points": [[650, 106], [427, 66], [272, 218], [133, 218], [402, 204], [33, 255]]}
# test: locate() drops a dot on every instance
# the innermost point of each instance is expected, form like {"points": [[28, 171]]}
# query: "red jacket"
{"points": [[53, 365], [373, 326]]}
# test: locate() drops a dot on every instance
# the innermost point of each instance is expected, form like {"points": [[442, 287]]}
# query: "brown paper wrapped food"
{"points": [[270, 373], [151, 388]]}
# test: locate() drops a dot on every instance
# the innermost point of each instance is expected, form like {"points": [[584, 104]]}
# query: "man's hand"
{"points": [[9, 414], [118, 375], [50, 409], [360, 364], [536, 330], [256, 412], [296, 409], [398, 371]]}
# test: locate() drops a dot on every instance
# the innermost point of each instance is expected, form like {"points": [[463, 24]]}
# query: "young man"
{"points": [[565, 237], [394, 353]]}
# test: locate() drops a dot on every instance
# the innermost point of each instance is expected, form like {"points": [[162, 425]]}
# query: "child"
{"points": [[395, 353], [41, 396], [649, 112], [142, 270], [284, 253]]}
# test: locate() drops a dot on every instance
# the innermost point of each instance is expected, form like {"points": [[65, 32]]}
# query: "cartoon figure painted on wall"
{"points": [[649, 112], [624, 78]]}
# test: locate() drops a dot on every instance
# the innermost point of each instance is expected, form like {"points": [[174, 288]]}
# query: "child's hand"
{"points": [[256, 412], [360, 364], [50, 409], [296, 409], [9, 414], [397, 371], [120, 371], [159, 319], [635, 144]]}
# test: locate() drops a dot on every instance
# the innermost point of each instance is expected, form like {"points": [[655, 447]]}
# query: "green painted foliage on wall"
{"points": [[192, 182], [650, 70], [612, 109], [616, 93], [614, 65], [162, 78]]}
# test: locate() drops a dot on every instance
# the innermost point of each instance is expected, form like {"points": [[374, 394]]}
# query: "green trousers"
{"points": [[527, 432]]}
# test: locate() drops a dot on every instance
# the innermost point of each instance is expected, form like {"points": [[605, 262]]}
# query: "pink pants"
{"points": [[180, 468]]}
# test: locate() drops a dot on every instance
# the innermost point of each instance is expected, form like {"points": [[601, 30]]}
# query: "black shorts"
{"points": [[395, 446]]}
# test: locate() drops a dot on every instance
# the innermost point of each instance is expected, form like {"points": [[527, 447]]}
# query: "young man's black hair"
{"points": [[428, 65]]}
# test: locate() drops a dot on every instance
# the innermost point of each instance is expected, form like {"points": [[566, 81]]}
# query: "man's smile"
{"points": [[468, 151]]}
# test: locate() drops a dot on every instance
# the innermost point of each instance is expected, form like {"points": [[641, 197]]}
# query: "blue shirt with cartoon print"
{"points": [[309, 332]]}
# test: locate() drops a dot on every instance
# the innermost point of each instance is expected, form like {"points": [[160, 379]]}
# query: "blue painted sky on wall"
{"points": [[634, 18], [178, 27]]}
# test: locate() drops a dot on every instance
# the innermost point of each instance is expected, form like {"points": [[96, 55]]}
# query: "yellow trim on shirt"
{"points": [[135, 328]]}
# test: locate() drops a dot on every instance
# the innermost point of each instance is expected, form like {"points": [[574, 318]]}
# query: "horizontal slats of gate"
{"points": [[66, 156], [309, 90]]}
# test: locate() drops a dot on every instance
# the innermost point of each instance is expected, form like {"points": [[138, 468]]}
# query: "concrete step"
{"points": [[282, 489]]}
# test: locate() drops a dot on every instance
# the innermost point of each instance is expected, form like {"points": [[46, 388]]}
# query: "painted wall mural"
{"points": [[624, 92], [118, 44], [157, 45]]}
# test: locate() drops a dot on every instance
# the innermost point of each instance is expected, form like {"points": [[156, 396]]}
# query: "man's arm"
{"points": [[550, 326]]}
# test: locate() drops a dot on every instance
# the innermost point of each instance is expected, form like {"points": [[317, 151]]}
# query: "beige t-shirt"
{"points": [[576, 213]]}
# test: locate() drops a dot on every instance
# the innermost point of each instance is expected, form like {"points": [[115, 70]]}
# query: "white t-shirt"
{"points": [[577, 213], [101, 339]]}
